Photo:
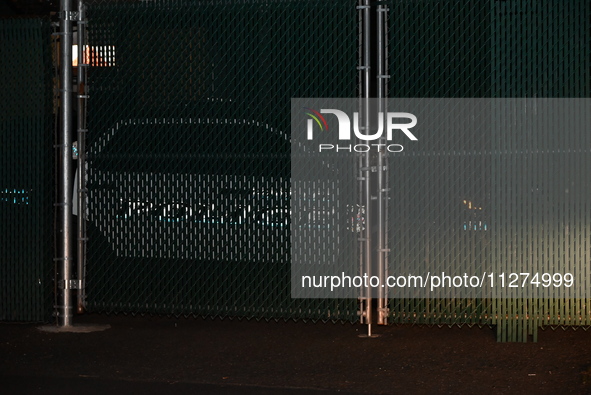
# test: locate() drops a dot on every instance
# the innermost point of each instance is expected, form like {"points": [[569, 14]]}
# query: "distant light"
{"points": [[95, 56]]}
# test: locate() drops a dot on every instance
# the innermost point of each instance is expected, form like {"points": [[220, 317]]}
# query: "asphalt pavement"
{"points": [[160, 355]]}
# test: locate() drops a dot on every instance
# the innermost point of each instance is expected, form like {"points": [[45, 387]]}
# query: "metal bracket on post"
{"points": [[68, 15], [69, 284], [383, 313]]}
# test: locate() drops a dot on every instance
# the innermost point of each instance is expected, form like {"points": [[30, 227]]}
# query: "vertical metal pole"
{"points": [[64, 205], [81, 187], [365, 162], [361, 175], [382, 214], [369, 213]]}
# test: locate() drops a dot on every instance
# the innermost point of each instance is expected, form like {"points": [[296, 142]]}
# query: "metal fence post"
{"points": [[382, 181], [365, 263], [64, 176], [81, 187]]}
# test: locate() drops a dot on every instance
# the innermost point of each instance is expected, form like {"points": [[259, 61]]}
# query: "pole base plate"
{"points": [[78, 328]]}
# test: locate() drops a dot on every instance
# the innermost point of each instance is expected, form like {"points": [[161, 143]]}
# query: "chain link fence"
{"points": [[26, 182], [494, 199], [189, 151]]}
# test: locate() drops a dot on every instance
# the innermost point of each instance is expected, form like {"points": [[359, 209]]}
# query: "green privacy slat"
{"points": [[189, 155], [534, 196], [26, 197], [438, 49]]}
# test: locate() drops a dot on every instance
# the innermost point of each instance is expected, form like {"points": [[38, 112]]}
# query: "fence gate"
{"points": [[189, 152]]}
